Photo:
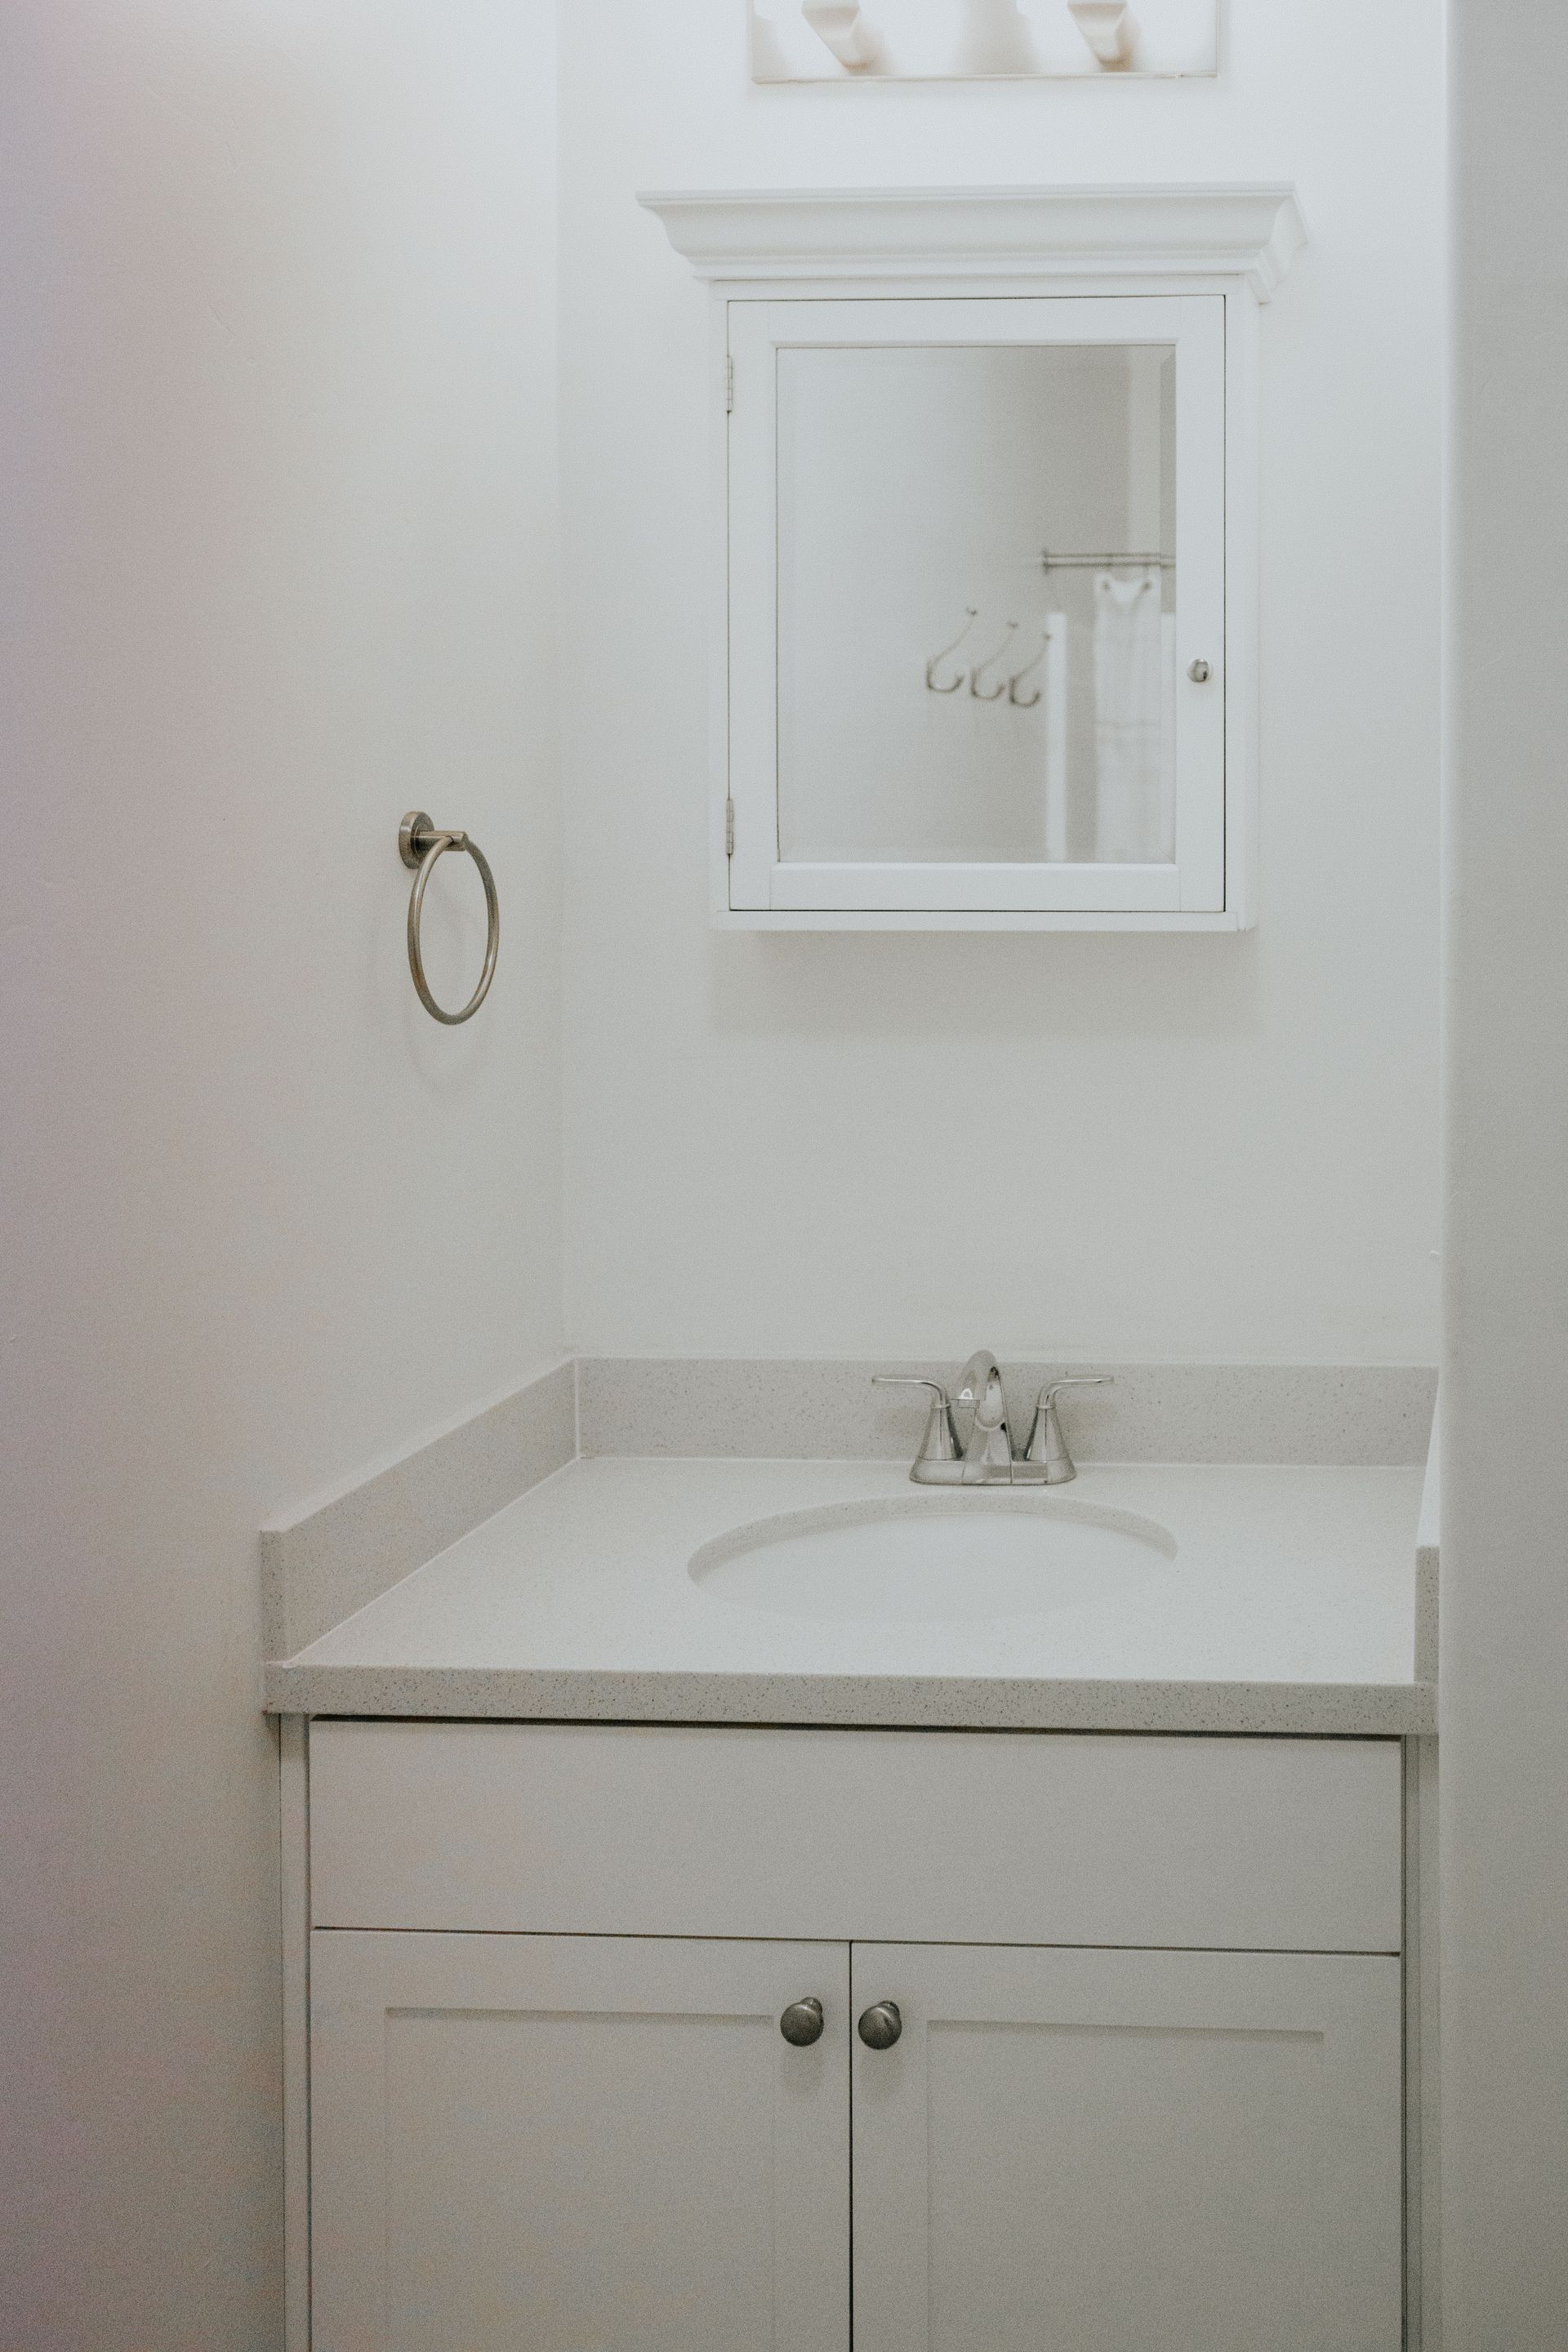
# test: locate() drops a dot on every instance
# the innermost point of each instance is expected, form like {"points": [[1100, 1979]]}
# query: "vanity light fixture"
{"points": [[1109, 27], [842, 26], [981, 40]]}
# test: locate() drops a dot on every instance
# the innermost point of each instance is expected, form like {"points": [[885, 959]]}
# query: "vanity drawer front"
{"points": [[967, 1837]]}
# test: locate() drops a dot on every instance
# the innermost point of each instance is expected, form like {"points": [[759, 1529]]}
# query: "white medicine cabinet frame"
{"points": [[897, 378]]}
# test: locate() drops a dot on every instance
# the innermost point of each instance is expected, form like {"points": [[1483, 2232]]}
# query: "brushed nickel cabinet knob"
{"points": [[881, 2025], [801, 2024]]}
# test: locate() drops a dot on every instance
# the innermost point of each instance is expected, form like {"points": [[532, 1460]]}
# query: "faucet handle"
{"points": [[940, 1443], [1074, 1380], [1046, 1444]]}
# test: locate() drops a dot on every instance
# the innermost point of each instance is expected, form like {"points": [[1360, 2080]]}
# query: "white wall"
{"points": [[278, 542], [1504, 1741], [1171, 1147]]}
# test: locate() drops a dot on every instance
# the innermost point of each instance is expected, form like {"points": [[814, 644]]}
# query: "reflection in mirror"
{"points": [[976, 609]]}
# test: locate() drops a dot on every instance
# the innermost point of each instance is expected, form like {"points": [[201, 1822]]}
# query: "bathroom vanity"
{"points": [[688, 1965], [692, 2037]]}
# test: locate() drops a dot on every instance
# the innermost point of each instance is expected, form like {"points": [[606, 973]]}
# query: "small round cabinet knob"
{"points": [[1199, 671], [802, 2024], [881, 2025]]}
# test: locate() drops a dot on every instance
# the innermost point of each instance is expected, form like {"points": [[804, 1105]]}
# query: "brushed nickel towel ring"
{"points": [[420, 845]]}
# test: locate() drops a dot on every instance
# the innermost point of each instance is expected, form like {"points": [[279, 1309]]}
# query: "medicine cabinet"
{"points": [[984, 547]]}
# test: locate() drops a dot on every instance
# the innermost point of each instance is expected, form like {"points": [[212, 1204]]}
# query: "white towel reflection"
{"points": [[1134, 700]]}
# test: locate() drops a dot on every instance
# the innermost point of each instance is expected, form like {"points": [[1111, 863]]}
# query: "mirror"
{"points": [[976, 606]]}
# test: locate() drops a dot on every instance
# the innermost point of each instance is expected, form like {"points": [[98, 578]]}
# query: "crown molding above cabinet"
{"points": [[1247, 233]]}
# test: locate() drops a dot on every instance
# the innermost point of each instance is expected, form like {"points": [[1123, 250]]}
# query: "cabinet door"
{"points": [[576, 2143], [1105, 2151], [977, 608]]}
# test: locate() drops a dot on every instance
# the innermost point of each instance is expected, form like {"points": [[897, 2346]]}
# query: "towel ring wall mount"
{"points": [[421, 846]]}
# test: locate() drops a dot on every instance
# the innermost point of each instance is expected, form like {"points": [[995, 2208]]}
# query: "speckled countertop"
{"points": [[1290, 1605]]}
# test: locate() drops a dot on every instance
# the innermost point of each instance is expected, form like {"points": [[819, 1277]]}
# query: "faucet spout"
{"points": [[988, 1445]]}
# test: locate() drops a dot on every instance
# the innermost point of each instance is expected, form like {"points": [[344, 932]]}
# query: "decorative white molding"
{"points": [[1246, 234]]}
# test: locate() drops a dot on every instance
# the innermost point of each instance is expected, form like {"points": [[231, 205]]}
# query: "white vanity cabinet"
{"points": [[1145, 2086]]}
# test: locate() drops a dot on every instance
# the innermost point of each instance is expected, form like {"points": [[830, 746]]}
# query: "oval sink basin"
{"points": [[948, 1556]]}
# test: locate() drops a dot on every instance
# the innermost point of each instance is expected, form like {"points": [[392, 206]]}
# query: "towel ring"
{"points": [[420, 845]]}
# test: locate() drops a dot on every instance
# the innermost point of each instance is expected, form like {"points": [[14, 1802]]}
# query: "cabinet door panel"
{"points": [[1099, 2151], [895, 464], [576, 2144]]}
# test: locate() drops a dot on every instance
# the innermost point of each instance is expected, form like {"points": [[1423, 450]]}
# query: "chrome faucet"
{"points": [[985, 1455]]}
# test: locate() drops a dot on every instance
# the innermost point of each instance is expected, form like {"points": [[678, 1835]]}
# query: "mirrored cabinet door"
{"points": [[976, 606]]}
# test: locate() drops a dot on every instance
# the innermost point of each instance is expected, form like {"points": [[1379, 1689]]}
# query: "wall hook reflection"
{"points": [[1027, 701], [931, 687], [991, 693]]}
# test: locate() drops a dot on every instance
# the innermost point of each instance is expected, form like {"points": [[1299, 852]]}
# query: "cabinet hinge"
{"points": [[729, 828], [729, 385]]}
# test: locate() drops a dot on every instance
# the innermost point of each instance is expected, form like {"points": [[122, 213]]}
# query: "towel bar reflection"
{"points": [[421, 846]]}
